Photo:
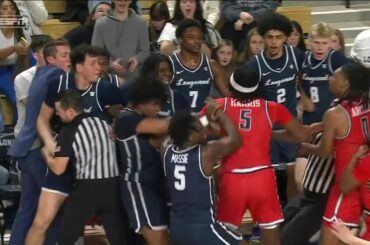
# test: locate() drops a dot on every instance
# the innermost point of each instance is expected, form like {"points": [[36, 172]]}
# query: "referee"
{"points": [[85, 144], [303, 214]]}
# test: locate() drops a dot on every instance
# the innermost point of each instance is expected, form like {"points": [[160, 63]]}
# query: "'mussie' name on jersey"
{"points": [[180, 158]]}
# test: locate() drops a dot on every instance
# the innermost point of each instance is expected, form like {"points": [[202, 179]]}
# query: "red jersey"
{"points": [[345, 147], [254, 120]]}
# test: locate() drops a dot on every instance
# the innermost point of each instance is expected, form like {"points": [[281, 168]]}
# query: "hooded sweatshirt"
{"points": [[122, 39]]}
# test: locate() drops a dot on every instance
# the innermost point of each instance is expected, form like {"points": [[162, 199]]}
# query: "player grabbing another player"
{"points": [[189, 166]]}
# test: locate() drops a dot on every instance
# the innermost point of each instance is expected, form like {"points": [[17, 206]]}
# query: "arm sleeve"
{"points": [[37, 11], [97, 38], [52, 92], [338, 60], [212, 11], [279, 114], [21, 87], [362, 169], [230, 11], [264, 9], [168, 33], [64, 143], [144, 44]]}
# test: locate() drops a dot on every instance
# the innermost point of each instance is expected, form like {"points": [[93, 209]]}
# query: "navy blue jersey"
{"points": [[194, 85], [315, 82], [113, 79], [139, 160], [278, 77], [191, 191], [175, 102], [96, 97]]}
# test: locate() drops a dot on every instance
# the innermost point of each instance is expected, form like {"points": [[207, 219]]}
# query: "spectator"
{"points": [[159, 16], [225, 55], [134, 5], [296, 37], [253, 45], [23, 81], [13, 52], [337, 41], [361, 48], [125, 36], [190, 9], [83, 34], [34, 14], [242, 15], [211, 10]]}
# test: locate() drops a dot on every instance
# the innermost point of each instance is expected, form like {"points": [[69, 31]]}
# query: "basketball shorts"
{"points": [[145, 205], [182, 233], [345, 207], [365, 198], [282, 153], [255, 191], [59, 184]]}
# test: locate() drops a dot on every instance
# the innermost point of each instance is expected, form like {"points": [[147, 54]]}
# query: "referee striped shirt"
{"points": [[89, 142], [319, 172]]}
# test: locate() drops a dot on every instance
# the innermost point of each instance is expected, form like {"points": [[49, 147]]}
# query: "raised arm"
{"points": [[224, 146]]}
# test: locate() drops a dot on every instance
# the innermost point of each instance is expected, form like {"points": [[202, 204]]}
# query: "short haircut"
{"points": [[181, 126], [50, 48], [274, 21], [146, 90], [185, 24], [39, 41], [78, 54], [321, 30], [70, 99], [248, 78]]}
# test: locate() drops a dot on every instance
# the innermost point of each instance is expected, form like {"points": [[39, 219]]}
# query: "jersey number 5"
{"points": [[245, 121], [180, 177]]}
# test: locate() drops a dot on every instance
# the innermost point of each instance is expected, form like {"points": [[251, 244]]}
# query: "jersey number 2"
{"points": [[180, 177], [245, 121]]}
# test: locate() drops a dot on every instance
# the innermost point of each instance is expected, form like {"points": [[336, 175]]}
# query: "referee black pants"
{"points": [[91, 197], [302, 218]]}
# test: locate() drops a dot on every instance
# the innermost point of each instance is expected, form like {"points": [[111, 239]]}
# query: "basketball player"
{"points": [[346, 127], [249, 166], [138, 131], [278, 66], [189, 167], [193, 71], [319, 64]]}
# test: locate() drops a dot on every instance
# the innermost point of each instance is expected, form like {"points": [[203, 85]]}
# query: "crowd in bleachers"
{"points": [[138, 77]]}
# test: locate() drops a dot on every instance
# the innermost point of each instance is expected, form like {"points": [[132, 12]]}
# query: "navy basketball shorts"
{"points": [[59, 184], [282, 153], [185, 233], [146, 205]]}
